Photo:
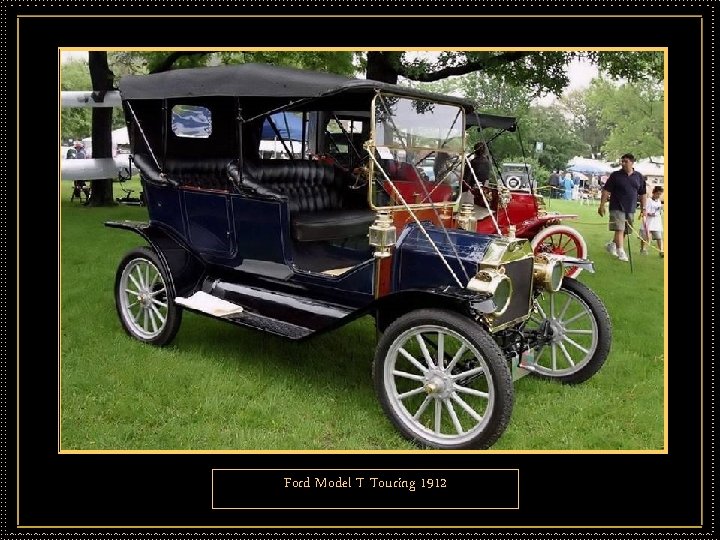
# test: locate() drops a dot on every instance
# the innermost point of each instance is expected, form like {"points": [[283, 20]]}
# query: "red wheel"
{"points": [[561, 240]]}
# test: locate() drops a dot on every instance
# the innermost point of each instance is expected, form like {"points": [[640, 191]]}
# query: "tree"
{"points": [[75, 121], [585, 120], [102, 81], [633, 113], [536, 123], [542, 72], [340, 62], [551, 127]]}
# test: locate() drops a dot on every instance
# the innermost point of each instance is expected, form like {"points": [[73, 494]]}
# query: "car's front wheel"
{"points": [[144, 299], [443, 381]]}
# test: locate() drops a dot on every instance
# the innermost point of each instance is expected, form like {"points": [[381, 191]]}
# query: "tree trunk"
{"points": [[380, 66], [102, 80]]}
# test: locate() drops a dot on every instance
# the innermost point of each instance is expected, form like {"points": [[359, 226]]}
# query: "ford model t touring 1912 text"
{"points": [[331, 233]]}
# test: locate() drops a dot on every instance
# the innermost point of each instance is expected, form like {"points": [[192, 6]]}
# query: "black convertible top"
{"points": [[491, 121], [260, 80]]}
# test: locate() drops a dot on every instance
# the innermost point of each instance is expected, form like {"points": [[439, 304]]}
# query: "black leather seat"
{"points": [[200, 173], [331, 225], [321, 206]]}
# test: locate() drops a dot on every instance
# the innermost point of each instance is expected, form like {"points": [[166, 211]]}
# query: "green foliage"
{"points": [[633, 114], [536, 123], [340, 62], [538, 72], [76, 122], [549, 126], [585, 119]]}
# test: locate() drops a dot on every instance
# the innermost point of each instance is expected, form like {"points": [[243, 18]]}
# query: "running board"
{"points": [[218, 308], [209, 304]]}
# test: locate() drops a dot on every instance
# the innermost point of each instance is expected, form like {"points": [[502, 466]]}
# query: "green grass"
{"points": [[222, 387]]}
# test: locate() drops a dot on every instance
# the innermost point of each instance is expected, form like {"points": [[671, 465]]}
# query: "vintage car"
{"points": [[296, 247], [517, 176]]}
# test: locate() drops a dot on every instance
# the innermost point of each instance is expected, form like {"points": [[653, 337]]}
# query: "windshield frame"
{"points": [[371, 147]]}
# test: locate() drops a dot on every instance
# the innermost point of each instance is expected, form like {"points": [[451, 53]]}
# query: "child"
{"points": [[653, 225]]}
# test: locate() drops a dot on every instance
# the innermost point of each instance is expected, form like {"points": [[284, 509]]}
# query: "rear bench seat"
{"points": [[196, 173], [321, 206]]}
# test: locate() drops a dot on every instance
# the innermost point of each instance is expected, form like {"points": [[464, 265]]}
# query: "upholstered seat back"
{"points": [[308, 185], [200, 173]]}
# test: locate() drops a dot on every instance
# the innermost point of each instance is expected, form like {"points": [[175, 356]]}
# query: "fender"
{"points": [[585, 264], [184, 267], [389, 307], [463, 301], [532, 226]]}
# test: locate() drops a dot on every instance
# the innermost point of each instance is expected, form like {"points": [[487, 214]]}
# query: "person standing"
{"points": [[80, 150], [554, 183], [653, 226], [623, 187], [80, 187], [567, 185]]}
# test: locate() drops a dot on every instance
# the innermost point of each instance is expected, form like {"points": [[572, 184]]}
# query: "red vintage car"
{"points": [[498, 206]]}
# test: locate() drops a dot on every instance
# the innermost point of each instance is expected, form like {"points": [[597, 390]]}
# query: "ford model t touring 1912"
{"points": [[303, 245]]}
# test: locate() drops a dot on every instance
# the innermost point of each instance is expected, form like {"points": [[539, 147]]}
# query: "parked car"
{"points": [[517, 176], [300, 247]]}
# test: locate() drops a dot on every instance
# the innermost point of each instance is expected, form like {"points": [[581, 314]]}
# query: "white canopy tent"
{"points": [[119, 136], [278, 150], [650, 168]]}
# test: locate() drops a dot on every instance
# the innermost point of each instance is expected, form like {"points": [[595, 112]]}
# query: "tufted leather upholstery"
{"points": [[320, 204], [309, 186], [200, 173]]}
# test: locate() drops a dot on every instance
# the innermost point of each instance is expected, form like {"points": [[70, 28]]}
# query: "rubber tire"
{"points": [[485, 345], [174, 314], [571, 272], [602, 319]]}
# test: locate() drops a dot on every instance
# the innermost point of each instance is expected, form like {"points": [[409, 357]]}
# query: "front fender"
{"points": [[463, 301], [184, 267]]}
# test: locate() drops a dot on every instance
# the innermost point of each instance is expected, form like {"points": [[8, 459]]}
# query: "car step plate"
{"points": [[207, 303]]}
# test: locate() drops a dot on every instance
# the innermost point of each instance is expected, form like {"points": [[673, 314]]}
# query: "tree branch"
{"points": [[463, 69], [173, 57]]}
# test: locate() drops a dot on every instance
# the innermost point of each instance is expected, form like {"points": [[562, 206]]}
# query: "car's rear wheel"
{"points": [[580, 330], [561, 240], [144, 298], [443, 381]]}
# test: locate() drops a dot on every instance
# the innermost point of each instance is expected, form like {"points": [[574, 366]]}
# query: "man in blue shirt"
{"points": [[625, 186]]}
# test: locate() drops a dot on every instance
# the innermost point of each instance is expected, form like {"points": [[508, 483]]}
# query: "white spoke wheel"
{"points": [[443, 381], [581, 333], [144, 298], [561, 240]]}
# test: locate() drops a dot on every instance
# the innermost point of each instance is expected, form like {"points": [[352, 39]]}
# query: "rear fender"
{"points": [[184, 267], [531, 227]]}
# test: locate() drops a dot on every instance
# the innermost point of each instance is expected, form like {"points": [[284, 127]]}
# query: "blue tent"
{"points": [[589, 166], [289, 125]]}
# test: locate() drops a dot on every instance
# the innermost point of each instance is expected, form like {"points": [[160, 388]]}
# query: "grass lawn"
{"points": [[222, 387]]}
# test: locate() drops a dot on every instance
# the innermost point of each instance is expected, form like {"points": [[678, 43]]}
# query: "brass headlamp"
{"points": [[548, 272], [496, 283]]}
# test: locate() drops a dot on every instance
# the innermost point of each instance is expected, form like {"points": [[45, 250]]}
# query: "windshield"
{"points": [[419, 146]]}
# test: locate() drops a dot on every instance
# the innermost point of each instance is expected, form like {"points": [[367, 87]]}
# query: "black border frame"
{"points": [[654, 491]]}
